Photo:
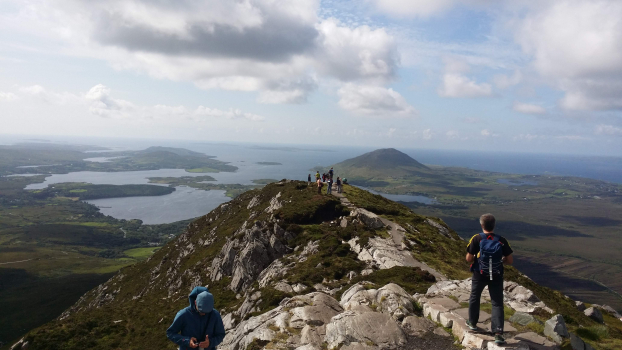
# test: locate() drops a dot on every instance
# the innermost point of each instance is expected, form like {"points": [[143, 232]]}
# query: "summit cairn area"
{"points": [[293, 269]]}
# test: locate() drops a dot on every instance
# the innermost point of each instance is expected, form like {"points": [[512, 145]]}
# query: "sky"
{"points": [[516, 75]]}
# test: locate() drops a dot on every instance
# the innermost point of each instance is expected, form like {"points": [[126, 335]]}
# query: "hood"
{"points": [[205, 302], [193, 296]]}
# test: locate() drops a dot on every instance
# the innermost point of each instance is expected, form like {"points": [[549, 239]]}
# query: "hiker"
{"points": [[338, 184], [309, 179], [487, 252], [200, 324], [317, 175], [329, 189], [319, 186], [330, 173], [345, 181]]}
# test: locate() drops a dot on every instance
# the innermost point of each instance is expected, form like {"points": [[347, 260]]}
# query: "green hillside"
{"points": [[304, 231], [380, 164]]}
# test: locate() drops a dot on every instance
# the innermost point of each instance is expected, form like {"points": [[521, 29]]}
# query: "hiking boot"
{"points": [[471, 326], [499, 339]]}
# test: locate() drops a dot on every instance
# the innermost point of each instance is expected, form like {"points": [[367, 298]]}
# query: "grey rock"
{"points": [[274, 204], [283, 287], [343, 223], [253, 202], [377, 328], [441, 229], [555, 328], [368, 218], [594, 314], [417, 325], [523, 319], [440, 331], [580, 305], [245, 258], [534, 338], [609, 309], [391, 299], [576, 342]]}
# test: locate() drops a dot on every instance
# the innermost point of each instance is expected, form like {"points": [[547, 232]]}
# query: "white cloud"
{"points": [[610, 130], [373, 101], [279, 48], [503, 81], [359, 53], [485, 132], [528, 108], [7, 96], [458, 85], [452, 134], [472, 120], [577, 45], [428, 134]]}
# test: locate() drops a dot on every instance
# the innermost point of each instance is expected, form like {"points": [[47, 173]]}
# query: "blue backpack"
{"points": [[490, 256]]}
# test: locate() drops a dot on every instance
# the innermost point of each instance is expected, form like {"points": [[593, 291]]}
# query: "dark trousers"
{"points": [[495, 287]]}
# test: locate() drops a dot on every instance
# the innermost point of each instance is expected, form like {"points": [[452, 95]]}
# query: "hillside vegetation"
{"points": [[285, 228]]}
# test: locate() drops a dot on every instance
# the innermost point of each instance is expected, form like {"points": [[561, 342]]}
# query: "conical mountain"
{"points": [[381, 163], [293, 269]]}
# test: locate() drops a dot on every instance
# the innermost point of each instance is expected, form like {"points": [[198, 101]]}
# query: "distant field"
{"points": [[140, 253]]}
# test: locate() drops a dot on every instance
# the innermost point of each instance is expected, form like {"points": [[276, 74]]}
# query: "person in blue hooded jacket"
{"points": [[198, 326]]}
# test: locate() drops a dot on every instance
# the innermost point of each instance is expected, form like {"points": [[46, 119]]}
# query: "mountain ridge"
{"points": [[287, 253]]}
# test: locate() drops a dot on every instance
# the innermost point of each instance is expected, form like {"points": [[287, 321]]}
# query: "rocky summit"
{"points": [[293, 269]]}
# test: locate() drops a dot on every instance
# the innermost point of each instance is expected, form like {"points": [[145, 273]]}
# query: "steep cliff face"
{"points": [[291, 269]]}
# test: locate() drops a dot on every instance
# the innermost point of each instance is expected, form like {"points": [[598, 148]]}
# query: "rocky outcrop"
{"points": [[365, 318], [368, 218], [442, 230], [246, 257]]}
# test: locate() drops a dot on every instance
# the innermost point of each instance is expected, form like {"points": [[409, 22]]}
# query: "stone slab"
{"points": [[464, 313], [511, 344], [446, 302], [476, 340]]}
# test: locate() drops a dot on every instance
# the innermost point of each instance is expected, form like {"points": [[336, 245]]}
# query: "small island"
{"points": [[269, 163]]}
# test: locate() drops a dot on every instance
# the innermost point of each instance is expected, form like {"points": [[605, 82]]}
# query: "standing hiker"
{"points": [[309, 179], [329, 189], [198, 326], [330, 173], [487, 252], [317, 175], [319, 186], [338, 184]]}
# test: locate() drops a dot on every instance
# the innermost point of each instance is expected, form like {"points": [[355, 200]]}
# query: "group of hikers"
{"points": [[328, 179], [200, 326]]}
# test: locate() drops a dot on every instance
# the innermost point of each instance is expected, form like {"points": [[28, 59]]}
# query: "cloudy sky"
{"points": [[516, 75]]}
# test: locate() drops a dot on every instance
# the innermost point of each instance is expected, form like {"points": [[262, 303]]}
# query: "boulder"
{"points": [[370, 327], [580, 305], [391, 299], [319, 310], [576, 342], [523, 319], [555, 328], [368, 218], [594, 314]]}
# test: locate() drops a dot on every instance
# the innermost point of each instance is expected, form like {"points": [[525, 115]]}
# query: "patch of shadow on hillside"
{"points": [[592, 220], [28, 301], [512, 230], [576, 288]]}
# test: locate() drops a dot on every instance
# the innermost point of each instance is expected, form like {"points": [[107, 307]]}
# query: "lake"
{"points": [[402, 197], [184, 203]]}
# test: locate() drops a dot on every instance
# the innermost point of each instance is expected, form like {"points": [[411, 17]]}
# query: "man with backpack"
{"points": [[198, 326], [330, 173], [487, 252]]}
